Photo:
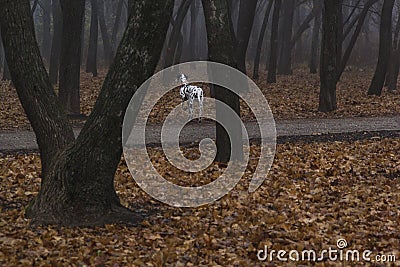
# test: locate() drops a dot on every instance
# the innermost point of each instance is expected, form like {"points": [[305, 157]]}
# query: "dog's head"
{"points": [[182, 78]]}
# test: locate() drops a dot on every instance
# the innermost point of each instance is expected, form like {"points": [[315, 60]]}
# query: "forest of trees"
{"points": [[48, 42]]}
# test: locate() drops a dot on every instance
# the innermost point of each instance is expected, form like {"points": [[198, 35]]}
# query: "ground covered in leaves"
{"points": [[294, 96], [315, 194]]}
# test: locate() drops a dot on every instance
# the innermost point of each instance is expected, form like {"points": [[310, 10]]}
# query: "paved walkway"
{"points": [[25, 140]]}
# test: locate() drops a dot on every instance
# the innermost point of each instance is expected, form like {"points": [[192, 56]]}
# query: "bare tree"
{"points": [[70, 60], [245, 24], [329, 49], [56, 43], [221, 49], [91, 65], [108, 50], [261, 40], [273, 60], [46, 41], [385, 43], [286, 30], [77, 186], [315, 36]]}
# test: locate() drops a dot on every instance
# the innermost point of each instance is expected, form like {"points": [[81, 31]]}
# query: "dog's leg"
{"points": [[190, 106]]}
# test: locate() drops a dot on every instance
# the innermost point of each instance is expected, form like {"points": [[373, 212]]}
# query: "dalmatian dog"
{"points": [[191, 93]]}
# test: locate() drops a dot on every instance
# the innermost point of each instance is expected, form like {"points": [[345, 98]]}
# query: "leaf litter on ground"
{"points": [[314, 194]]}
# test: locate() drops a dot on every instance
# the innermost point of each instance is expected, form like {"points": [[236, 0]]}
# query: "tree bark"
{"points": [[56, 43], [329, 50], [315, 36], [385, 43], [70, 61], [77, 189], [273, 56], [261, 40], [247, 11], [221, 49], [285, 59], [91, 64]]}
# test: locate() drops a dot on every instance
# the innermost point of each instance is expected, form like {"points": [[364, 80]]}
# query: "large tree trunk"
{"points": [[329, 50], [221, 49], [385, 44], [108, 52], [315, 36], [70, 61], [273, 55], [91, 64], [261, 41], [56, 43], [245, 24], [77, 184], [285, 59]]}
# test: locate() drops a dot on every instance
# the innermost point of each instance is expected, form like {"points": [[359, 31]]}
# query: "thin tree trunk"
{"points": [[340, 36], [78, 185], [1, 53], [193, 30], [261, 40], [56, 43], [179, 48], [108, 52], [394, 65], [34, 6], [175, 33], [221, 49], [315, 36], [46, 42], [273, 58], [231, 8], [91, 65], [70, 60], [329, 50], [285, 58], [6, 71], [385, 44], [117, 24], [245, 24], [83, 35], [353, 40]]}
